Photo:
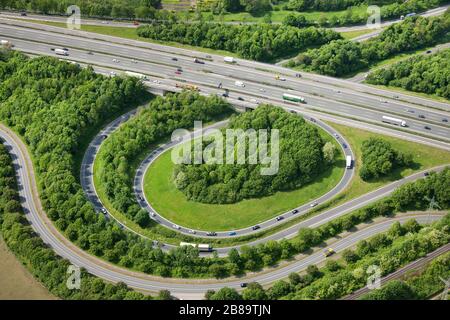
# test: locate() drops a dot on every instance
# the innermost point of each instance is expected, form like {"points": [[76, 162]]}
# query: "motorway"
{"points": [[259, 85], [185, 288], [325, 96]]}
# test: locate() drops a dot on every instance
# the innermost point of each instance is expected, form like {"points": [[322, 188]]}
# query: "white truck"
{"points": [[348, 162], [61, 52], [239, 83], [5, 42], [395, 121], [229, 59], [136, 75], [200, 247]]}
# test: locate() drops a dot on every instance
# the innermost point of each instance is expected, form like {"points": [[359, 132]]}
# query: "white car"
{"points": [[254, 101], [115, 60], [176, 227], [312, 205], [192, 231], [112, 73], [152, 214], [262, 90], [156, 81], [134, 61]]}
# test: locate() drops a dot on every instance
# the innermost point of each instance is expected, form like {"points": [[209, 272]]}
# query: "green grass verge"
{"points": [[353, 34]]}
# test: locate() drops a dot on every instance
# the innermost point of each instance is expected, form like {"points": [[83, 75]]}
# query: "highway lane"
{"points": [[431, 125], [320, 85]]}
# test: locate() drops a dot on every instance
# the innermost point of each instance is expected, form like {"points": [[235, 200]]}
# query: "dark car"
{"points": [[426, 174], [243, 285], [427, 128], [174, 59], [225, 95], [444, 120], [294, 211], [280, 218], [23, 14], [421, 116], [211, 234], [179, 69], [344, 145], [312, 120], [428, 51], [240, 99], [256, 227], [298, 75], [90, 53], [198, 61]]}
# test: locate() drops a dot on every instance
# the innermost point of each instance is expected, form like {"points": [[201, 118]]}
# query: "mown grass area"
{"points": [[173, 205], [424, 157], [349, 35], [279, 15]]}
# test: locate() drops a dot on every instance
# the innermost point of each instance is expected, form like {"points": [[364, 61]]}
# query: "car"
{"points": [[198, 61], [135, 23], [179, 69], [240, 99], [428, 51], [262, 90], [444, 120], [312, 119], [336, 135], [192, 231], [115, 60], [174, 59], [254, 101], [279, 218], [105, 22], [329, 252], [104, 211], [65, 49], [427, 128], [243, 285], [211, 234], [104, 136], [293, 111], [225, 95], [134, 61], [383, 101], [140, 198], [344, 145], [219, 85], [177, 72], [421, 116], [176, 226], [298, 75], [156, 81], [232, 233], [152, 214], [90, 53], [256, 227], [396, 97], [294, 211], [426, 174], [112, 73], [208, 56], [312, 205], [23, 14]]}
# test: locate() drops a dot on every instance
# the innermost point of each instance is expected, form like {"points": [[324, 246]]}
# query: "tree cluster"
{"points": [[301, 159], [422, 73], [262, 42], [344, 57], [379, 159]]}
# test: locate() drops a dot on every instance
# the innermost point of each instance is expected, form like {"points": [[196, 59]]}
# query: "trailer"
{"points": [[290, 97], [61, 52], [229, 59], [200, 247], [348, 162], [395, 121], [136, 75]]}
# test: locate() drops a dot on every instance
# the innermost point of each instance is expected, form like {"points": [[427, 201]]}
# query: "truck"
{"points": [[136, 75], [187, 86], [395, 121], [200, 247], [229, 59], [61, 52], [290, 97], [5, 43], [348, 162], [239, 84]]}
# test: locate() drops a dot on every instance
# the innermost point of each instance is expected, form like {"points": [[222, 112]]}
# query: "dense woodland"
{"points": [[422, 73], [380, 159], [262, 42], [301, 159], [151, 125], [344, 57]]}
